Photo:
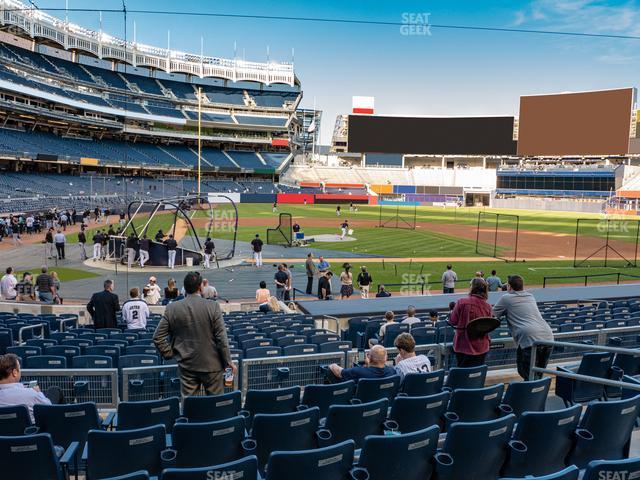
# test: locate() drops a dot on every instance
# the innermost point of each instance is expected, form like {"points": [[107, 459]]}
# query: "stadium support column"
{"points": [[199, 139], [484, 162], [444, 163]]}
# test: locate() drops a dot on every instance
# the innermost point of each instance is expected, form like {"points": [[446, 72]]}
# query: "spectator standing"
{"points": [[135, 311], [103, 307], [375, 367], [26, 291], [281, 280], [193, 333], [46, 288], [471, 351], [407, 361], [262, 293], [382, 292], [48, 243], [145, 245], [449, 279], [494, 282], [8, 285], [364, 282], [411, 316], [323, 265], [154, 291], [324, 286], [56, 283], [289, 288], [312, 271], [256, 245], [208, 252], [346, 282], [82, 240], [526, 324], [171, 251], [60, 240]]}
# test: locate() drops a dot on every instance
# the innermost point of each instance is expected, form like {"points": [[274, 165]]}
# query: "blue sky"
{"points": [[450, 72]]}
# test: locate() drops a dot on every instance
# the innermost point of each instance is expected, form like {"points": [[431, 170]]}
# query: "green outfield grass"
{"points": [[65, 274]]}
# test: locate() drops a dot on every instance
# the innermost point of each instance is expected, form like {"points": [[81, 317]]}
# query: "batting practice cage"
{"points": [[397, 216], [283, 233], [606, 243], [497, 235]]}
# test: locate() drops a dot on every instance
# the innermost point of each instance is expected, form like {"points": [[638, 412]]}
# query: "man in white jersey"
{"points": [[407, 361], [135, 311]]}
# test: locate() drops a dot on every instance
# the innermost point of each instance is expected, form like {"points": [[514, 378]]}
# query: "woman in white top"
{"points": [[346, 282]]}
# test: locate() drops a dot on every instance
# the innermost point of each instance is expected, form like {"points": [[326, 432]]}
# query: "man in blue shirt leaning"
{"points": [[375, 367]]}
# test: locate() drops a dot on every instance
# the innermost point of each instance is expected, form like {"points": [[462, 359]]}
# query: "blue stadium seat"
{"points": [[110, 351], [392, 331], [77, 342], [256, 342], [245, 469], [134, 450], [529, 396], [421, 384], [41, 342], [284, 432], [212, 408], [280, 400], [66, 351], [67, 423], [612, 469], [372, 389], [132, 415], [548, 435], [14, 421], [604, 432], [302, 349], [474, 450], [45, 362], [332, 462], [323, 396], [476, 404], [569, 473], [416, 413], [333, 347], [142, 350], [291, 340], [6, 340], [60, 336], [592, 365], [406, 456], [32, 457], [202, 444], [472, 377], [354, 422], [25, 352], [263, 352], [424, 335], [139, 475], [91, 361]]}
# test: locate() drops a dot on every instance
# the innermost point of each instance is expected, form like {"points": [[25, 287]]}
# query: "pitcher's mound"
{"points": [[328, 237]]}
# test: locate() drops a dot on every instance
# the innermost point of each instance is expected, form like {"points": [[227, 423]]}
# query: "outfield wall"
{"points": [[548, 204]]}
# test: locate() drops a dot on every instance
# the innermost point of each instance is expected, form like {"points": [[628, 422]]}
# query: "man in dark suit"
{"points": [[103, 307], [192, 331]]}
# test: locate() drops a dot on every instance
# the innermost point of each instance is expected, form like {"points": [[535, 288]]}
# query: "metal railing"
{"points": [[43, 329], [617, 275]]}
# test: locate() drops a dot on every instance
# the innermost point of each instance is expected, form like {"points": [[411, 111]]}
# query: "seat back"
{"points": [[29, 457], [355, 422], [569, 473], [392, 331], [132, 415], [67, 423], [111, 351], [471, 377], [91, 361], [66, 351], [476, 404], [489, 441], [323, 396], [610, 424], [629, 363], [424, 335], [280, 400], [592, 365], [46, 362], [245, 468], [548, 435], [623, 469], [25, 351], [212, 408], [417, 413], [332, 462], [13, 420], [332, 347], [208, 443], [371, 389], [284, 432], [263, 352], [114, 453], [406, 456], [529, 396], [420, 384], [133, 361]]}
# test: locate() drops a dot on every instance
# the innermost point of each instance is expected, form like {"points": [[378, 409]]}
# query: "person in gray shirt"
{"points": [[449, 279], [494, 282], [526, 325]]}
